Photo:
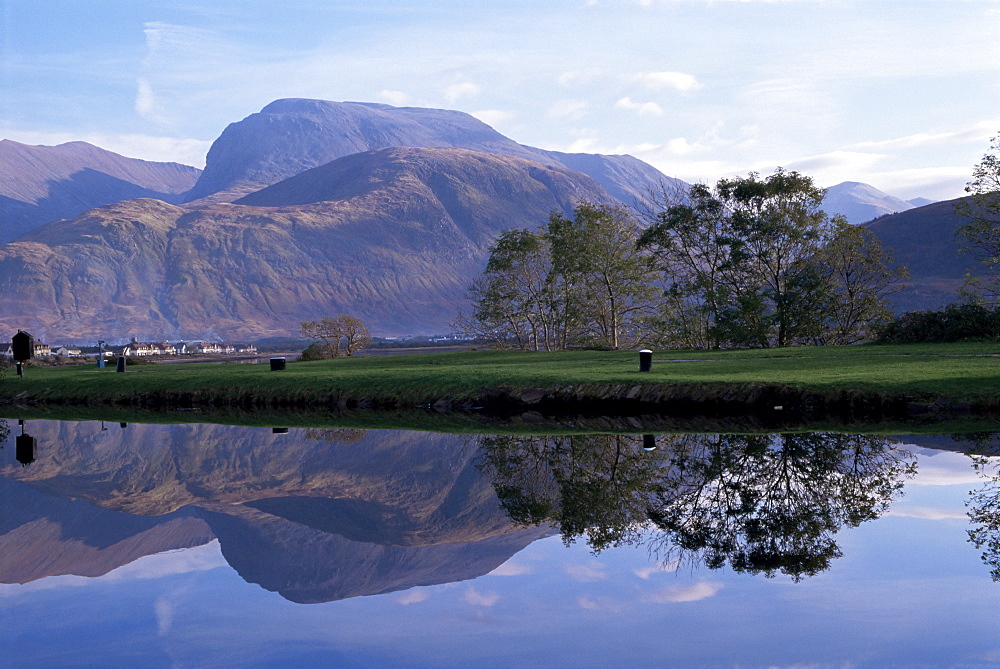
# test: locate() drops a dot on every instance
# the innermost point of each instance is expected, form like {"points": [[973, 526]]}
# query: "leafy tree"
{"points": [[982, 208], [579, 280], [337, 335], [602, 274], [754, 262], [860, 275]]}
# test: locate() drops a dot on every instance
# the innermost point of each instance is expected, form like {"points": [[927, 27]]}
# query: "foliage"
{"points": [[954, 323], [982, 208], [338, 335], [759, 503], [754, 262], [318, 350], [577, 281]]}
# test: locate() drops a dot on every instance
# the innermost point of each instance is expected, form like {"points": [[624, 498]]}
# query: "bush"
{"points": [[956, 322], [318, 351]]}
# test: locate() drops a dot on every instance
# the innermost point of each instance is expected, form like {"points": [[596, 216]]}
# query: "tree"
{"points": [[860, 275], [337, 335], [603, 274], [982, 208], [579, 280], [754, 262]]}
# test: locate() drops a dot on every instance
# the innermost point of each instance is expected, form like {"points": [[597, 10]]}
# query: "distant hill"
{"points": [[924, 239], [39, 184], [290, 136], [393, 236], [860, 203]]}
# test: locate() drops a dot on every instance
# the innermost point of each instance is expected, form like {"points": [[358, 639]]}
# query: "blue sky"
{"points": [[903, 95]]}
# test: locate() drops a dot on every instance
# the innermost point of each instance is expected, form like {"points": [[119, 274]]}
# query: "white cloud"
{"points": [[692, 593], [397, 98], [456, 92], [587, 573], [679, 81], [475, 598], [640, 108], [492, 117], [568, 109], [414, 596]]}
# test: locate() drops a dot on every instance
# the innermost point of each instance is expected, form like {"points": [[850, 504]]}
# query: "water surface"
{"points": [[206, 545]]}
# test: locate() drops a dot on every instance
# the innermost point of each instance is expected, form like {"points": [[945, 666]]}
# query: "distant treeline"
{"points": [[956, 322]]}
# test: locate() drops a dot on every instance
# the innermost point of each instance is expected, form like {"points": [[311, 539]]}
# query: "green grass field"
{"points": [[956, 372]]}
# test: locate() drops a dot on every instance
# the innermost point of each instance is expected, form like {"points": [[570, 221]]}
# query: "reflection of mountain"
{"points": [[306, 513]]}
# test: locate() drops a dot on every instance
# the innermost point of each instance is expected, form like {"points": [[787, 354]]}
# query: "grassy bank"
{"points": [[954, 373]]}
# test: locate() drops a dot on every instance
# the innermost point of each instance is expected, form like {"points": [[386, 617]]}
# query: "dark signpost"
{"points": [[22, 345]]}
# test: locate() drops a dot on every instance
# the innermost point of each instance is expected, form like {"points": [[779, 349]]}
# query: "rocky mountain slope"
{"points": [[392, 236], [290, 136], [39, 184]]}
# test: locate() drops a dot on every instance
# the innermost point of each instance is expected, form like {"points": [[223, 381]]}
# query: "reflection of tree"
{"points": [[761, 503], [984, 511]]}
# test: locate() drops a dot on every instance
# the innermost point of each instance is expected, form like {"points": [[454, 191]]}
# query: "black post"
{"points": [[20, 368], [121, 364], [645, 360]]}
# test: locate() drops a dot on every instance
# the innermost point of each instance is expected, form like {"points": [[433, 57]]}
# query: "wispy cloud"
{"points": [[678, 81], [572, 110], [493, 117], [640, 108], [397, 98]]}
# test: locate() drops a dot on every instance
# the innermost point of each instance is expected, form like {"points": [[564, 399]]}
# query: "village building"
{"points": [[139, 349]]}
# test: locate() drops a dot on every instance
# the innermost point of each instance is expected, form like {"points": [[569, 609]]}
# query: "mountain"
{"points": [[860, 203], [290, 136], [921, 201], [393, 236], [315, 515], [924, 240], [39, 184]]}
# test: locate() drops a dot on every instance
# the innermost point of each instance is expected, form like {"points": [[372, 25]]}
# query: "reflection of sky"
{"points": [[909, 591]]}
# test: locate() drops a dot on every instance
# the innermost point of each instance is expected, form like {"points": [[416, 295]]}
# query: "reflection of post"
{"points": [[279, 430], [25, 447], [649, 442]]}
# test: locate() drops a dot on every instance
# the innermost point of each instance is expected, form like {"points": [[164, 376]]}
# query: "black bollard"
{"points": [[649, 442], [277, 364], [20, 368], [645, 360], [121, 364]]}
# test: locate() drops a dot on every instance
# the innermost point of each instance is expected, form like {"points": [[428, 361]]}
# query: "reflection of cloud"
{"points": [[927, 513], [601, 604], [164, 616], [646, 572], [511, 568], [180, 561], [640, 108], [475, 598], [691, 593], [587, 573], [414, 596]]}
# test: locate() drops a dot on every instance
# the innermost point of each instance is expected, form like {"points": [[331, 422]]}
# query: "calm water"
{"points": [[216, 546]]}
